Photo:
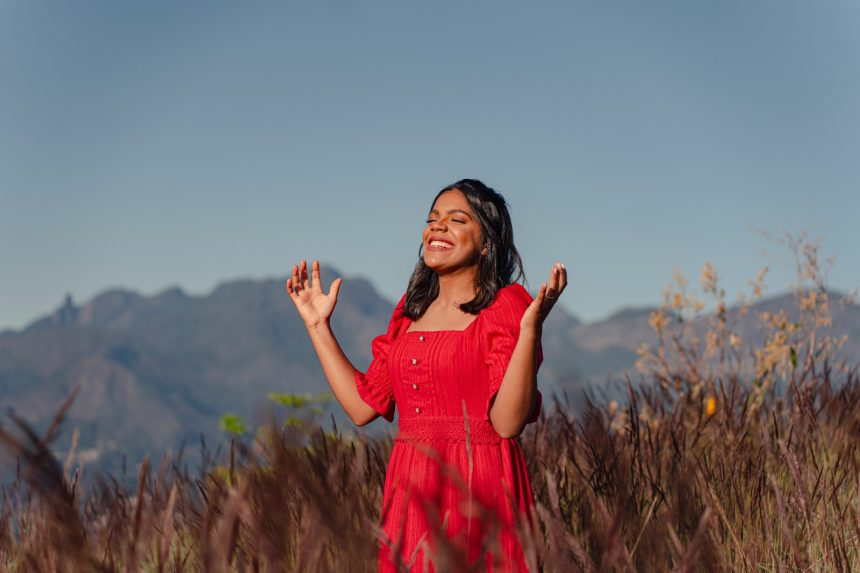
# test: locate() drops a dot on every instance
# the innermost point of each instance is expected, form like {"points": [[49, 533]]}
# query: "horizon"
{"points": [[79, 302]]}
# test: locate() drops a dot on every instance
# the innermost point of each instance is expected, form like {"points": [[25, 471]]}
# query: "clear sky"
{"points": [[151, 144]]}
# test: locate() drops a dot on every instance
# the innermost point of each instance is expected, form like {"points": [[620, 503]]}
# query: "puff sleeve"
{"points": [[374, 386], [500, 333]]}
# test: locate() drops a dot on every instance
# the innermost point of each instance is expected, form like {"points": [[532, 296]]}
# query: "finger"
{"points": [[293, 281], [335, 288], [304, 275], [540, 298], [290, 290], [562, 279], [551, 296], [315, 275], [553, 286]]}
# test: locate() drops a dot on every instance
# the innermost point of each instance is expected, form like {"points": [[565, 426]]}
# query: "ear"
{"points": [[484, 252]]}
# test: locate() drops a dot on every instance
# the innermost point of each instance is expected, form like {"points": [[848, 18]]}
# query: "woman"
{"points": [[459, 359]]}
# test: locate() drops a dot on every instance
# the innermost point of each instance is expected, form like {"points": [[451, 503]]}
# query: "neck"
{"points": [[457, 287]]}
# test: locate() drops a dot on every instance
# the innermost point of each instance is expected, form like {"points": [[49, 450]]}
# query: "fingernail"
{"points": [[562, 265]]}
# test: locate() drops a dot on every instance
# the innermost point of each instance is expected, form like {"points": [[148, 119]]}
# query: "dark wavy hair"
{"points": [[500, 267]]}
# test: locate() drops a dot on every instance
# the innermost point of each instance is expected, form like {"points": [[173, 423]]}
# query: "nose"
{"points": [[438, 225]]}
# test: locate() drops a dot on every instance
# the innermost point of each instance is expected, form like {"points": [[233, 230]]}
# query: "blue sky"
{"points": [[150, 144]]}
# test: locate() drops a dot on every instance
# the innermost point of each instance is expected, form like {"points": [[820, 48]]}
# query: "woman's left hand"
{"points": [[546, 298]]}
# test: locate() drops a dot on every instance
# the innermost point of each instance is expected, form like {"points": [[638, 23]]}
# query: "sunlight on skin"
{"points": [[452, 247]]}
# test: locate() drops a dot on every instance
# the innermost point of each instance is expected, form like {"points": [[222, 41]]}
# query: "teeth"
{"points": [[440, 244]]}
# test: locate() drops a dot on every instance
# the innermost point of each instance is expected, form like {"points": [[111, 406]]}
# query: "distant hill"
{"points": [[156, 370], [607, 348]]}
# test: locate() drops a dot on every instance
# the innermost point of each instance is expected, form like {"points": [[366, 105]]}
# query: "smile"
{"points": [[440, 244]]}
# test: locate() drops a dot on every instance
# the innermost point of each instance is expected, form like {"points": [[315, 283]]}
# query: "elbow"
{"points": [[510, 433], [363, 416], [507, 429], [361, 420]]}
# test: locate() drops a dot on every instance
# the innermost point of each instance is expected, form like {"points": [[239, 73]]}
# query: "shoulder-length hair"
{"points": [[499, 267]]}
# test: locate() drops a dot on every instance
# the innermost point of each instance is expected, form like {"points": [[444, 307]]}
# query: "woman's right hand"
{"points": [[314, 305]]}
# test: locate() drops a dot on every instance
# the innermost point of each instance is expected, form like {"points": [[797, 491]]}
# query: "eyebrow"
{"points": [[453, 211]]}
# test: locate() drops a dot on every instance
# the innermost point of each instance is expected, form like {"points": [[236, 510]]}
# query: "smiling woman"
{"points": [[469, 235], [459, 361]]}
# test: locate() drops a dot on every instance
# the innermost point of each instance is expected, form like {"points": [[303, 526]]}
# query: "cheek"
{"points": [[476, 236]]}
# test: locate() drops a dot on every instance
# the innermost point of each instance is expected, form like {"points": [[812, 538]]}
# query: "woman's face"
{"points": [[452, 237]]}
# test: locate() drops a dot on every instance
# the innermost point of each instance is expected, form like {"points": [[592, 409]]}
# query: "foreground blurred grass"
{"points": [[725, 458]]}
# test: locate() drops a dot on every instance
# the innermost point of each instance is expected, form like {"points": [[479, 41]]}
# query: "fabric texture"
{"points": [[454, 489]]}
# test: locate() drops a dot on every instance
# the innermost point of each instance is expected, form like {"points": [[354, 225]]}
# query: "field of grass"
{"points": [[723, 458]]}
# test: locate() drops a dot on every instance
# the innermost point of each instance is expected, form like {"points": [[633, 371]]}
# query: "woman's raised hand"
{"points": [[314, 305], [546, 298]]}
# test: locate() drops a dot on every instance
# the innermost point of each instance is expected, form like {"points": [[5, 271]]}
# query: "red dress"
{"points": [[430, 486]]}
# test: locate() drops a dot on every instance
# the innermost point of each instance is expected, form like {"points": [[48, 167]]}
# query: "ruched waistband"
{"points": [[446, 429]]}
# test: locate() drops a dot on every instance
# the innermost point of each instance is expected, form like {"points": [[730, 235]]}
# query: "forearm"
{"points": [[517, 394], [340, 374]]}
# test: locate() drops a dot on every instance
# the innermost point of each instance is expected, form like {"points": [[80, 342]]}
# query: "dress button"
{"points": [[421, 338], [415, 386], [417, 410], [414, 361]]}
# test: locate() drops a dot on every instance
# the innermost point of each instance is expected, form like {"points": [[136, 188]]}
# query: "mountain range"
{"points": [[154, 371]]}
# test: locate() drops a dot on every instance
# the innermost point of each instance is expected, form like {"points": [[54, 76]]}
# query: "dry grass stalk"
{"points": [[714, 464]]}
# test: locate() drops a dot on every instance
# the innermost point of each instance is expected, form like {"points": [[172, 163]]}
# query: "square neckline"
{"points": [[409, 323]]}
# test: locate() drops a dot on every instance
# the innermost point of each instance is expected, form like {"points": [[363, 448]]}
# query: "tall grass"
{"points": [[711, 465]]}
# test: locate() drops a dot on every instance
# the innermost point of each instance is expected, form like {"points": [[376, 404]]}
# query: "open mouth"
{"points": [[437, 244]]}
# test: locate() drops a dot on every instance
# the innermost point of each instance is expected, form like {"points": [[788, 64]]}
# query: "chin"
{"points": [[447, 267], [433, 265]]}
